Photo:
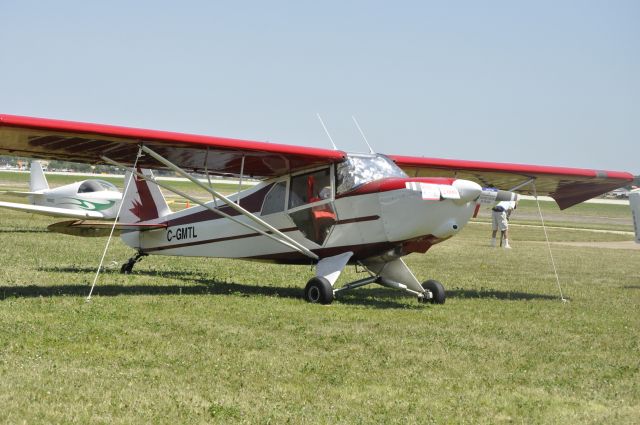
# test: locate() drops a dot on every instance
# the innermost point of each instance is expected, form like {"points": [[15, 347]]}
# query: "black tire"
{"points": [[127, 267], [318, 290], [437, 290]]}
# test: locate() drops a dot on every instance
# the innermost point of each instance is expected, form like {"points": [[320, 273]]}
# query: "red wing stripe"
{"points": [[67, 140]]}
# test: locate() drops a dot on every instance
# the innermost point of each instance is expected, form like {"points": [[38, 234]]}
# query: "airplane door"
{"points": [[311, 204]]}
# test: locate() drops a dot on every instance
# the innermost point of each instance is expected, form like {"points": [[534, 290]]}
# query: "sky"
{"points": [[539, 82]]}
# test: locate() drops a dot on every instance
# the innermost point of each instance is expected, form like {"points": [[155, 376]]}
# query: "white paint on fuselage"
{"points": [[373, 218]]}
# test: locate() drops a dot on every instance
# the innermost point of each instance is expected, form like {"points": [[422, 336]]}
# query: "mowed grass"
{"points": [[218, 341], [585, 215]]}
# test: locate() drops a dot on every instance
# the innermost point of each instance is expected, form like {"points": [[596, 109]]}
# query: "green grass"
{"points": [[586, 215], [219, 341]]}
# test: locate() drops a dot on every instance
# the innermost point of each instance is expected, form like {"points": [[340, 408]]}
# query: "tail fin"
{"points": [[37, 180], [143, 200], [634, 202]]}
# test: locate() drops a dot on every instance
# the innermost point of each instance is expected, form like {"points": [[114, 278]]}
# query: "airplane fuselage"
{"points": [[72, 197], [396, 215]]}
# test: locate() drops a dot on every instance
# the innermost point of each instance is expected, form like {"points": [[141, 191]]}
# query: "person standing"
{"points": [[500, 221]]}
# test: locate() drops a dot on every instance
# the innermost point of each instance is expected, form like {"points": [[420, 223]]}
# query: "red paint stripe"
{"points": [[458, 164], [386, 185], [252, 235], [138, 134]]}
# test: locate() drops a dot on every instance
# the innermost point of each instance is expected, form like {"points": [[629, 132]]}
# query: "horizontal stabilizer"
{"points": [[23, 194], [99, 228], [52, 211]]}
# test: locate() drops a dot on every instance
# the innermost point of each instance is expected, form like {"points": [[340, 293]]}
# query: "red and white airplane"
{"points": [[325, 207]]}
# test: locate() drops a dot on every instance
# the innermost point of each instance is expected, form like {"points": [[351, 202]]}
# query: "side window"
{"points": [[274, 201], [310, 187]]}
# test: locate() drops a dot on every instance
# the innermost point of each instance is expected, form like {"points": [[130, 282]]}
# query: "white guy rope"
{"points": [[115, 221], [544, 228]]}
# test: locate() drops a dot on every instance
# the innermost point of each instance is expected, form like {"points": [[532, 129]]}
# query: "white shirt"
{"points": [[507, 205]]}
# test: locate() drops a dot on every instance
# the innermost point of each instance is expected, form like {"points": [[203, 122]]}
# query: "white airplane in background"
{"points": [[314, 206], [87, 199]]}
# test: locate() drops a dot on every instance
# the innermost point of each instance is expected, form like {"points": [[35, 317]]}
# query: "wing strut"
{"points": [[523, 184], [272, 231]]}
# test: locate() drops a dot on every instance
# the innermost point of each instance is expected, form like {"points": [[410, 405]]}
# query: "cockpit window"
{"points": [[310, 187], [96, 186], [359, 169], [274, 201]]}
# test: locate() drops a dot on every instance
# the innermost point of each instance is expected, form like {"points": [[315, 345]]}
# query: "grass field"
{"points": [[219, 341]]}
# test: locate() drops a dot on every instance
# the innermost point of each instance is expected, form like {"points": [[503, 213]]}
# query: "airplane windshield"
{"points": [[107, 186], [359, 169], [96, 186]]}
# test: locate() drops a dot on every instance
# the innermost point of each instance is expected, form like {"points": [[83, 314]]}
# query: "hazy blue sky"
{"points": [[540, 82]]}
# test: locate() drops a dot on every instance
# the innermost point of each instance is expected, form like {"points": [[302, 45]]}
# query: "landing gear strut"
{"points": [[390, 272], [128, 266]]}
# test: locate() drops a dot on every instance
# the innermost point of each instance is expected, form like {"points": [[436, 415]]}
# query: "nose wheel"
{"points": [[438, 295]]}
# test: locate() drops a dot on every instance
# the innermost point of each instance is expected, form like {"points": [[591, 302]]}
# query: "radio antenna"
{"points": [[363, 136], [327, 131]]}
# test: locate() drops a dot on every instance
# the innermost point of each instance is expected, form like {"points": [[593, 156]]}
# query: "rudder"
{"points": [[37, 180], [143, 200]]}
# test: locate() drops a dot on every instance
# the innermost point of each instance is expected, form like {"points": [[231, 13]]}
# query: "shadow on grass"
{"points": [[196, 285], [500, 295], [24, 231]]}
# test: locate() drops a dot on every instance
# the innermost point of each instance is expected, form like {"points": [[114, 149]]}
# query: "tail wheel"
{"points": [[437, 291], [318, 290]]}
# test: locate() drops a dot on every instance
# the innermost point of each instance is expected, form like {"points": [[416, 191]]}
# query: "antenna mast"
{"points": [[363, 136], [327, 131]]}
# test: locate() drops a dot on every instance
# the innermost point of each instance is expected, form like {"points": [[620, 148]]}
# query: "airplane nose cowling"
{"points": [[468, 190], [447, 229]]}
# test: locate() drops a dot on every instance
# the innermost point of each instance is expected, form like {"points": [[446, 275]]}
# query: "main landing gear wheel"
{"points": [[436, 289], [318, 290]]}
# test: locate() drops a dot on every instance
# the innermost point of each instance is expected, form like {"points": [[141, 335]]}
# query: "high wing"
{"points": [[52, 211], [568, 186], [84, 142], [88, 143]]}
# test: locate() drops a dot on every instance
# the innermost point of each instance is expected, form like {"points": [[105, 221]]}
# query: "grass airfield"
{"points": [[218, 341]]}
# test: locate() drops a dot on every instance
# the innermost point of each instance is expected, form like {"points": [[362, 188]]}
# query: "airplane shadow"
{"points": [[500, 295], [195, 285], [24, 231]]}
